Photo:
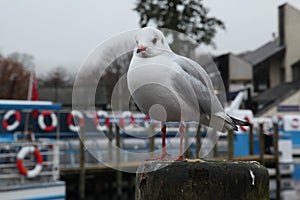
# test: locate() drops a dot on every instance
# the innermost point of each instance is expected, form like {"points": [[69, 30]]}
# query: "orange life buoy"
{"points": [[295, 123], [126, 114], [38, 157], [41, 121], [75, 113], [15, 124], [147, 121], [104, 126]]}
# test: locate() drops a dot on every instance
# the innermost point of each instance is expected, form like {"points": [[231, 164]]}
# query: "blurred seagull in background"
{"points": [[172, 88]]}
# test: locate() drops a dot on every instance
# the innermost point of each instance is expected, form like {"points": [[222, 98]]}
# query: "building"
{"points": [[278, 61], [281, 65], [289, 29], [272, 71], [236, 73], [267, 65], [280, 100]]}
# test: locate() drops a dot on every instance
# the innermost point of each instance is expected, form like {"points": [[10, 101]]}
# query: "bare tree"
{"points": [[14, 79], [57, 77], [25, 59]]}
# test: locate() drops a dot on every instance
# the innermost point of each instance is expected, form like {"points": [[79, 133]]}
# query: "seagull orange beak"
{"points": [[140, 48]]}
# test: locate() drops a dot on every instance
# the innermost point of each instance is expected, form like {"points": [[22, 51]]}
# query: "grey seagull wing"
{"points": [[198, 80]]}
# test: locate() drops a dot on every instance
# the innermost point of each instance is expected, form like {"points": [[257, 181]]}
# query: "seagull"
{"points": [[172, 88]]}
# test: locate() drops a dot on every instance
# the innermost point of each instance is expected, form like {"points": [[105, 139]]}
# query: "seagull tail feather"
{"points": [[235, 122]]}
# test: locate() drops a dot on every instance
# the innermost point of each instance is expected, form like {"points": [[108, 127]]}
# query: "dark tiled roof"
{"points": [[275, 95], [262, 53]]}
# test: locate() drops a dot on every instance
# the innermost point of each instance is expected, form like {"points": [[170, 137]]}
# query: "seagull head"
{"points": [[150, 42]]}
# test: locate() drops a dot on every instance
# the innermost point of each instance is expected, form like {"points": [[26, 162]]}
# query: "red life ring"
{"points": [[75, 113], [41, 121], [243, 128], [125, 115], [100, 127], [295, 123], [15, 124], [147, 121], [38, 157]]}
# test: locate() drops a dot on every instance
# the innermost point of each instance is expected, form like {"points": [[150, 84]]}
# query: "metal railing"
{"points": [[10, 173]]}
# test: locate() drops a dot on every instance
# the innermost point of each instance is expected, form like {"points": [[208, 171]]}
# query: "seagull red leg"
{"points": [[181, 132], [164, 155]]}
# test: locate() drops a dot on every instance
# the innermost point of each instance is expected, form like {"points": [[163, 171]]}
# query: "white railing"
{"points": [[10, 173]]}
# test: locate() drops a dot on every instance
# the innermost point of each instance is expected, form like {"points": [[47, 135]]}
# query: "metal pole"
{"points": [[29, 92], [29, 95]]}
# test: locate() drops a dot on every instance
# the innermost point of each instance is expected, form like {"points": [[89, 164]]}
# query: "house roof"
{"points": [[275, 95], [262, 53]]}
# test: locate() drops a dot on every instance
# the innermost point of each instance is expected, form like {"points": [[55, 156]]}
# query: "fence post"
{"points": [[192, 180], [251, 144], [261, 144], [118, 172], [151, 139], [230, 144], [82, 164], [110, 139]]}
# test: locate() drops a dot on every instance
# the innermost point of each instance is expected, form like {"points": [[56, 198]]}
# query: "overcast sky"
{"points": [[62, 33]]}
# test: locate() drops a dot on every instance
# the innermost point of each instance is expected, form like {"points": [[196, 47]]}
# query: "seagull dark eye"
{"points": [[154, 40]]}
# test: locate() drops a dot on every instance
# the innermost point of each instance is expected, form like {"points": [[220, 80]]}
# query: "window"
{"points": [[296, 71]]}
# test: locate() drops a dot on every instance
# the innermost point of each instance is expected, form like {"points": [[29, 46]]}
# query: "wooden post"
{"points": [[110, 138], [82, 165], [215, 149], [151, 139], [276, 155], [118, 172], [251, 143], [261, 144], [198, 140], [230, 144], [117, 135], [192, 180]]}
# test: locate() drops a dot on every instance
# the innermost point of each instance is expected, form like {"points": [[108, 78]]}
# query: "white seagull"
{"points": [[169, 87]]}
